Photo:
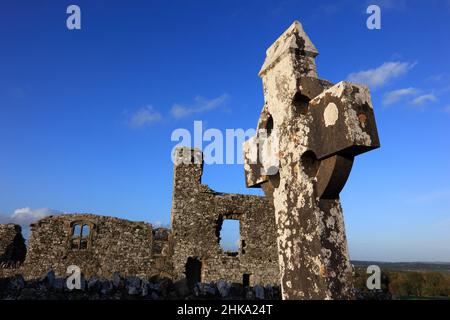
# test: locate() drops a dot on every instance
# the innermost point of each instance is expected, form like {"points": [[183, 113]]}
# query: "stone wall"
{"points": [[197, 215], [109, 245], [12, 245], [51, 287]]}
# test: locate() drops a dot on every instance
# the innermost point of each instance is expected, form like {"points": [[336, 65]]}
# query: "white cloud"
{"points": [[423, 99], [25, 216], [200, 105], [144, 117], [380, 76], [395, 95]]}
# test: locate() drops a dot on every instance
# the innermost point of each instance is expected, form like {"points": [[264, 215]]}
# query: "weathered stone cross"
{"points": [[318, 129]]}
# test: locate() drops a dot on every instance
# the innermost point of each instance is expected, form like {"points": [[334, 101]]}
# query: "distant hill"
{"points": [[406, 266]]}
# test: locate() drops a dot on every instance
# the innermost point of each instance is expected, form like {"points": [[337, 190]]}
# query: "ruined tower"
{"points": [[317, 128], [198, 213]]}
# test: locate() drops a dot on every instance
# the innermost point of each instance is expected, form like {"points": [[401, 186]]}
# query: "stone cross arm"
{"points": [[343, 121], [341, 126]]}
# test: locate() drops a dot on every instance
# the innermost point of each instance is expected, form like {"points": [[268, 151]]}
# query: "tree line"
{"points": [[408, 283]]}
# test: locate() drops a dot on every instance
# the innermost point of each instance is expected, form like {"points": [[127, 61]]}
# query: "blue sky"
{"points": [[86, 115]]}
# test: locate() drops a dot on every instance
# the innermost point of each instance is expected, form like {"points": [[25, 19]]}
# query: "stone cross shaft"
{"points": [[318, 129]]}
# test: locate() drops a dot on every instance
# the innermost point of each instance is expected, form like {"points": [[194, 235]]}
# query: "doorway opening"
{"points": [[246, 277], [193, 271]]}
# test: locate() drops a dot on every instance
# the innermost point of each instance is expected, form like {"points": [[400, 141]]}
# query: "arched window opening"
{"points": [[80, 237]]}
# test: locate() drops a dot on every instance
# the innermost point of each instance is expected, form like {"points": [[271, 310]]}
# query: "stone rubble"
{"points": [[49, 287]]}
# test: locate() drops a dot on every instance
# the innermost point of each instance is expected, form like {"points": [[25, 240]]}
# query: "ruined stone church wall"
{"points": [[197, 216], [137, 249], [112, 245]]}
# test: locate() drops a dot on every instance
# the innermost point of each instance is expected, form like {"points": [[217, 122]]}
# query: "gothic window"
{"points": [[80, 235]]}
